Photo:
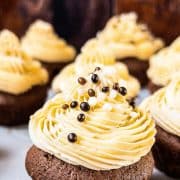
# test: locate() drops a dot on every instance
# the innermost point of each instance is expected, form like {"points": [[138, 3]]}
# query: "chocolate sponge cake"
{"points": [[15, 110], [42, 165], [166, 152]]}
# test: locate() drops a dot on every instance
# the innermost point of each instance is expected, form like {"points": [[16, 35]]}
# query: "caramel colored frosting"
{"points": [[111, 135], [18, 72], [164, 107], [165, 63], [124, 37], [42, 43], [86, 63]]}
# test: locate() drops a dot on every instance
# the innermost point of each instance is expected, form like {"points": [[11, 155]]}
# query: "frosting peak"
{"points": [[42, 43], [164, 107], [18, 72], [112, 134], [86, 62], [124, 37], [164, 64]]}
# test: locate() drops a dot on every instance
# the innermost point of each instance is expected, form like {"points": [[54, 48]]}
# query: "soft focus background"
{"points": [[76, 22]]}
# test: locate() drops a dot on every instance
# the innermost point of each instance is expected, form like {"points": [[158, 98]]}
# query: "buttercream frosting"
{"points": [[86, 63], [164, 107], [124, 37], [18, 72], [113, 135], [164, 64], [42, 43]]}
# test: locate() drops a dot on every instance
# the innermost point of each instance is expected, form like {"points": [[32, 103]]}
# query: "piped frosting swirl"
{"points": [[164, 106], [124, 37], [18, 72], [42, 43], [164, 64], [86, 63], [112, 135]]}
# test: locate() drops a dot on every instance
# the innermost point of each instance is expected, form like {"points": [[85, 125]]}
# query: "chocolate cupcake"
{"points": [[164, 65], [95, 135], [42, 43], [129, 41], [97, 61], [22, 82], [161, 16], [164, 107]]}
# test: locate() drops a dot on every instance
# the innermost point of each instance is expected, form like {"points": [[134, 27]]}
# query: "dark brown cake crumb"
{"points": [[39, 167]]}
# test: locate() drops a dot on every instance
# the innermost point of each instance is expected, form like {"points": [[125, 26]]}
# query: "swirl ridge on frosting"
{"points": [[164, 106], [164, 64], [86, 62], [18, 72], [42, 43], [124, 37], [113, 134]]}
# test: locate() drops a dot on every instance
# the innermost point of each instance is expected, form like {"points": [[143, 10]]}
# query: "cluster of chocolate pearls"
{"points": [[84, 106]]}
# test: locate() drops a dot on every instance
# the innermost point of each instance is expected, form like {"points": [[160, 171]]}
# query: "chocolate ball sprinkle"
{"points": [[65, 106], [72, 137], [132, 103], [116, 86], [81, 117], [105, 89], [97, 69], [84, 106], [81, 80], [94, 78], [122, 91], [91, 92], [73, 104]]}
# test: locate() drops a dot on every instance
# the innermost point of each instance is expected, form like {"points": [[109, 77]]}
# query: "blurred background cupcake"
{"points": [[161, 16], [43, 44], [129, 42], [23, 82], [164, 107], [78, 22], [163, 65], [97, 61]]}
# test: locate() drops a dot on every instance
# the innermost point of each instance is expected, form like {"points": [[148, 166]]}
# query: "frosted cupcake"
{"points": [[163, 65], [23, 82], [102, 63], [129, 41], [164, 107], [95, 135], [42, 43]]}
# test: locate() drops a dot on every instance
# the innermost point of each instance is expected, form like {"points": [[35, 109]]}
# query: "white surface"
{"points": [[14, 143]]}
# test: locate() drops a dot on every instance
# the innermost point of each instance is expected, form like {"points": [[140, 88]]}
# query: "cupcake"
{"points": [[163, 65], [164, 108], [97, 61], [129, 41], [22, 82], [42, 43], [162, 16], [95, 135]]}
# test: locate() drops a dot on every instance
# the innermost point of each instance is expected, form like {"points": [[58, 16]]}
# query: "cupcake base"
{"points": [[41, 165], [153, 87], [166, 152], [137, 68], [54, 68], [15, 110]]}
